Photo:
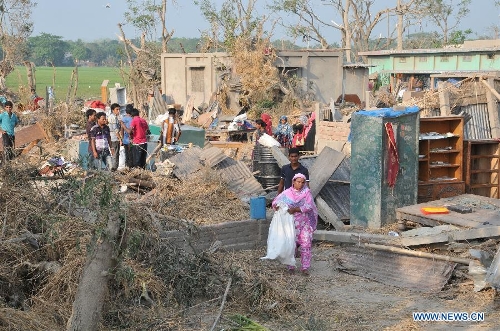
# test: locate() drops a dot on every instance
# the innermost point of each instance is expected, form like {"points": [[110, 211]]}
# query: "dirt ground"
{"points": [[333, 300], [328, 299]]}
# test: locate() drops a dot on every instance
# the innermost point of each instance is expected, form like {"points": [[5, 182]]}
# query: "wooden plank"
{"points": [[444, 99], [481, 217], [327, 214], [451, 218], [355, 238], [419, 253], [492, 107], [280, 158], [28, 134], [323, 168], [30, 146], [420, 219], [227, 144], [485, 232]]}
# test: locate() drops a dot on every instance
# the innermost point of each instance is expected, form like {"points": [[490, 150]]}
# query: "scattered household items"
{"points": [[228, 128], [434, 210], [56, 167]]}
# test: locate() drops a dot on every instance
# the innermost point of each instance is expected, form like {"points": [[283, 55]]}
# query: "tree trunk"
{"points": [[400, 25], [30, 74], [93, 285], [347, 31], [73, 85]]}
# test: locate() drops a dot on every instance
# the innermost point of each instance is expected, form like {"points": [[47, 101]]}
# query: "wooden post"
{"points": [[104, 91], [491, 94], [444, 99]]}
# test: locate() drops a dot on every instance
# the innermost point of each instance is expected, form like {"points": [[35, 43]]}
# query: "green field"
{"points": [[89, 80]]}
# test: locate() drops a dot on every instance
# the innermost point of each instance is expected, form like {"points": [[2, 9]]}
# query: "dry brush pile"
{"points": [[50, 228]]}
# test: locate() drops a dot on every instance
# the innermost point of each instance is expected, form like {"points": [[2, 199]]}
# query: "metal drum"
{"points": [[256, 157], [268, 165], [269, 169], [269, 183]]}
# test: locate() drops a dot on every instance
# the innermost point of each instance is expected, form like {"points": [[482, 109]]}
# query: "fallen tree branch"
{"points": [[222, 304]]}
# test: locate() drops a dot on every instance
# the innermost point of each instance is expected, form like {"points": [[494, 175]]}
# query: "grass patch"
{"points": [[89, 80]]}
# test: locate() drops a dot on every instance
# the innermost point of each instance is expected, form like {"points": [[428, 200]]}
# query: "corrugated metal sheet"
{"points": [[478, 127], [337, 197], [187, 162], [158, 105], [235, 174], [246, 187], [308, 161], [212, 156], [231, 169], [414, 273], [477, 120], [239, 178], [343, 171]]}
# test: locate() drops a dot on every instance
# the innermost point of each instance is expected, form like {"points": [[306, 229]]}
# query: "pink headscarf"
{"points": [[299, 175]]}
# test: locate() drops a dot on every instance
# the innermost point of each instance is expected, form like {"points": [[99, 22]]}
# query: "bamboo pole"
{"points": [[419, 254]]}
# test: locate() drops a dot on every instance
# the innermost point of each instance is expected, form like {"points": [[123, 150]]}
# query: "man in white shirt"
{"points": [[114, 130]]}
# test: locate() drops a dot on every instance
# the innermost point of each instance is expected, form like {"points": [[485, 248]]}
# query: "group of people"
{"points": [[289, 136], [107, 133]]}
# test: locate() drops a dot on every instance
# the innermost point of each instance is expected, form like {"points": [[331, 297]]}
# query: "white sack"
{"points": [[281, 238], [268, 141], [121, 160]]}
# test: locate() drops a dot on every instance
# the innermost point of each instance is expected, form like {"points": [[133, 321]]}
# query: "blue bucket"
{"points": [[258, 208]]}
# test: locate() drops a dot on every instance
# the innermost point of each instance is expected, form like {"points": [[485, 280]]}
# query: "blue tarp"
{"points": [[384, 112], [388, 112]]}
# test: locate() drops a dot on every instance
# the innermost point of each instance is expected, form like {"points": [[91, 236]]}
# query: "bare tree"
{"points": [[235, 19], [358, 22], [15, 27], [445, 14], [144, 59], [237, 28]]}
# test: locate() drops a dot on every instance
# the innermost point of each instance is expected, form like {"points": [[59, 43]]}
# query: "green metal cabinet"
{"points": [[373, 203]]}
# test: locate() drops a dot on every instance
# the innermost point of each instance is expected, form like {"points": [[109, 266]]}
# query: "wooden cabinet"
{"points": [[481, 167], [440, 159]]}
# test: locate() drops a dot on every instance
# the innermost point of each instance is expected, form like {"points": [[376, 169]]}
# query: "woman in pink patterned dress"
{"points": [[301, 205]]}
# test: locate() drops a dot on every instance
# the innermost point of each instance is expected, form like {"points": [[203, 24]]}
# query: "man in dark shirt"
{"points": [[90, 113], [100, 142], [291, 169]]}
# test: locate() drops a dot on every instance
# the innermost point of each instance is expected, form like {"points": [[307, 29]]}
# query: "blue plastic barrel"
{"points": [[258, 208]]}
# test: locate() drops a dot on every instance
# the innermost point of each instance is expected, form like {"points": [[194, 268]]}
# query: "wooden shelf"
{"points": [[447, 150], [481, 167], [444, 165]]}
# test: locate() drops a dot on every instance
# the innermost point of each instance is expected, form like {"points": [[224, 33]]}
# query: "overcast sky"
{"points": [[90, 19]]}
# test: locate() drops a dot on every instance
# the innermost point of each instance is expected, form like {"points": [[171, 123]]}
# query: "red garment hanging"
{"points": [[392, 156]]}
